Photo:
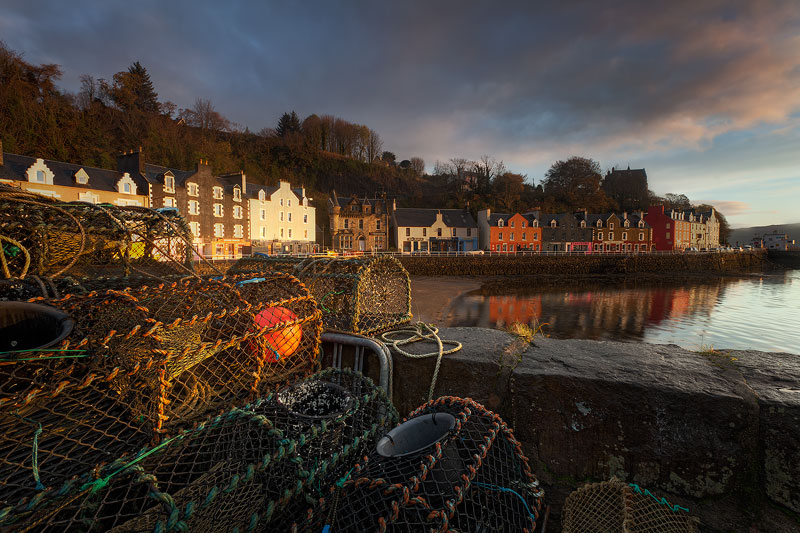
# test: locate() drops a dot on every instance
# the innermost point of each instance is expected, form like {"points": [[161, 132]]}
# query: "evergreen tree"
{"points": [[289, 123], [146, 96]]}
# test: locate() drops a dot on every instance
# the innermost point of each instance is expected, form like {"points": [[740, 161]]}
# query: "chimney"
{"points": [[131, 162]]}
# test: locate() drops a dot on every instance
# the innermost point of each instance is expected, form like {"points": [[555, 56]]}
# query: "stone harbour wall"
{"points": [[521, 265], [717, 432]]}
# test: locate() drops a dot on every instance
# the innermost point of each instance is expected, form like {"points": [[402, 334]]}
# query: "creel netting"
{"points": [[44, 237], [260, 467], [142, 364], [615, 506], [362, 295], [475, 478]]}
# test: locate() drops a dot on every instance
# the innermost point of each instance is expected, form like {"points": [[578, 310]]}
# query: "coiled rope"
{"points": [[421, 332]]}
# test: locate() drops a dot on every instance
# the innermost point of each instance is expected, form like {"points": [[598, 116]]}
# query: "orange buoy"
{"points": [[281, 342]]}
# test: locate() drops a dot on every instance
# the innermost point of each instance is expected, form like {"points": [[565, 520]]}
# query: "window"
{"points": [[611, 225], [237, 211], [524, 236], [469, 232], [610, 235], [262, 195], [454, 232], [583, 223], [168, 201], [289, 216], [535, 224], [305, 234], [600, 236], [345, 223], [81, 177], [500, 236], [219, 230], [281, 217], [169, 184], [378, 223], [263, 214], [289, 204], [512, 223], [599, 223], [218, 193], [194, 189], [627, 223], [511, 237], [641, 223], [408, 232], [438, 232], [281, 233], [641, 236], [237, 194], [553, 223], [360, 223], [217, 210], [290, 233], [305, 220], [500, 223], [40, 176], [624, 235], [667, 225], [524, 224], [424, 232], [195, 226], [668, 234], [281, 202], [126, 188]]}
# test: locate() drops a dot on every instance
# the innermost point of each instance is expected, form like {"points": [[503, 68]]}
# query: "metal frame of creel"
{"points": [[362, 344]]}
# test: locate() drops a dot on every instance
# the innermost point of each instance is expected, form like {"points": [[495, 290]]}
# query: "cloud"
{"points": [[731, 208]]}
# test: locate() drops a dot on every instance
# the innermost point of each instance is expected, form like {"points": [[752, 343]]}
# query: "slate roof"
{"points": [[418, 217], [14, 167], [344, 201], [252, 190], [155, 174]]}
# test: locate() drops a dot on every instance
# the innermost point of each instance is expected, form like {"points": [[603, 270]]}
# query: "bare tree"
{"points": [[88, 93], [418, 165], [203, 115], [374, 146]]}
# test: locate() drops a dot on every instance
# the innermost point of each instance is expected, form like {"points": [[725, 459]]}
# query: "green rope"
{"points": [[662, 501], [11, 251], [15, 360], [322, 301]]}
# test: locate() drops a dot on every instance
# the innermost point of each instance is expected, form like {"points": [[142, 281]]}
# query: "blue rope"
{"points": [[504, 489], [662, 501]]}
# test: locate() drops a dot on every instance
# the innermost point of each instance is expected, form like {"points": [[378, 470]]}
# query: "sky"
{"points": [[704, 95]]}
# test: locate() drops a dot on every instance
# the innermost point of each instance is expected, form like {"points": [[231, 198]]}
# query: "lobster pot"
{"points": [[361, 295], [43, 237], [140, 365], [616, 506], [452, 465], [238, 470]]}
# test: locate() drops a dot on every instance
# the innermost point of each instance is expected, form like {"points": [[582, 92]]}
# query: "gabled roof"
{"points": [[344, 201], [14, 167], [418, 217]]}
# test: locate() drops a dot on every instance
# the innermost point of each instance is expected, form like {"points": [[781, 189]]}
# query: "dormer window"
{"points": [[237, 194], [535, 223], [81, 177], [39, 173], [641, 223], [262, 195], [599, 223], [217, 193], [194, 189], [583, 223], [169, 182], [627, 223], [553, 223], [500, 223], [126, 185]]}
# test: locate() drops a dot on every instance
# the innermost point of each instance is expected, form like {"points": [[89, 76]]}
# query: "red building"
{"points": [[510, 233], [671, 230]]}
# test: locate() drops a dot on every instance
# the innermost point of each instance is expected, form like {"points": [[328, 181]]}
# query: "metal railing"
{"points": [[481, 253], [361, 345]]}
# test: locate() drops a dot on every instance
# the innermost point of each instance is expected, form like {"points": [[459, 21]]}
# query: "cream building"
{"points": [[435, 230], [69, 182], [282, 219]]}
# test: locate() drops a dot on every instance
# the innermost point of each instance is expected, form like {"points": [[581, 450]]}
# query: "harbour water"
{"points": [[759, 312]]}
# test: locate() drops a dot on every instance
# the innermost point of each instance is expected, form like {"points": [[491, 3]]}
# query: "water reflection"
{"points": [[753, 313]]}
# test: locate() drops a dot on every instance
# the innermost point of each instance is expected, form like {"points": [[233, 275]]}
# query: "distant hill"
{"points": [[745, 235]]}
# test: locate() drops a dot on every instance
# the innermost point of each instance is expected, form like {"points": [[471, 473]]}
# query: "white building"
{"points": [[435, 230], [777, 241], [282, 219]]}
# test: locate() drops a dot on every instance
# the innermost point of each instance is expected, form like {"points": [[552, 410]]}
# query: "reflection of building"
{"points": [[505, 310], [502, 232], [72, 183], [435, 230], [281, 219], [360, 224]]}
